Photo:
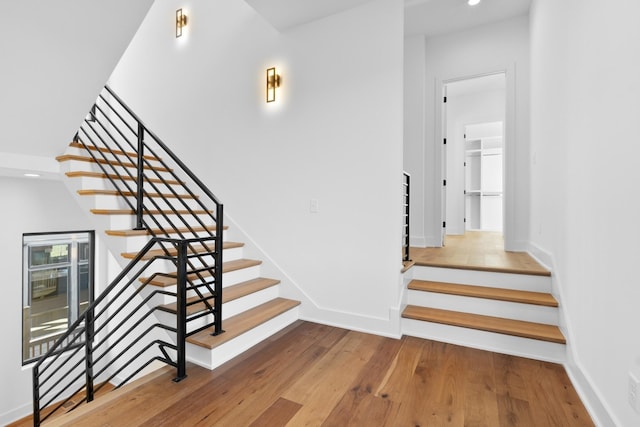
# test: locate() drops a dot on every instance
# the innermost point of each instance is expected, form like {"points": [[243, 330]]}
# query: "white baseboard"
{"points": [[591, 398], [16, 414]]}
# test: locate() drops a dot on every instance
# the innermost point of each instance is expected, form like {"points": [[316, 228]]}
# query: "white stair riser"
{"points": [[500, 343], [78, 165], [228, 279], [103, 201], [487, 307], [211, 359], [522, 282], [242, 275], [92, 183], [136, 243], [229, 309], [128, 222]]}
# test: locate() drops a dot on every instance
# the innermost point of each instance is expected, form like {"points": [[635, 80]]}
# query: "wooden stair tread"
{"points": [[101, 175], [243, 322], [173, 251], [157, 231], [516, 270], [116, 152], [500, 325], [152, 212], [169, 279], [511, 295], [68, 157], [132, 194], [229, 293]]}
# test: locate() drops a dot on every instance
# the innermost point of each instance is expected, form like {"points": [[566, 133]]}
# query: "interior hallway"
{"points": [[477, 250]]}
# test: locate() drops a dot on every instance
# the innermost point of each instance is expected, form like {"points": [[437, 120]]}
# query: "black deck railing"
{"points": [[406, 189], [118, 336]]}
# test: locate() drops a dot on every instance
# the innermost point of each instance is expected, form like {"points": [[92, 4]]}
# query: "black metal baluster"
{"points": [[140, 177], [181, 312]]}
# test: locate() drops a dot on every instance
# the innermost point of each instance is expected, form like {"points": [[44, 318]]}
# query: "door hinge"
{"points": [[444, 224], [444, 182], [445, 100], [465, 163], [465, 220], [444, 141]]}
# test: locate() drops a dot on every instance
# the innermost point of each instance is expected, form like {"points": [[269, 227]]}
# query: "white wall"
{"points": [[335, 135], [56, 56], [584, 111], [414, 148], [28, 206], [502, 46], [463, 110]]}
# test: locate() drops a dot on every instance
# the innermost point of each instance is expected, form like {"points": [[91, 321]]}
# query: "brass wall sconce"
{"points": [[273, 82], [181, 21]]}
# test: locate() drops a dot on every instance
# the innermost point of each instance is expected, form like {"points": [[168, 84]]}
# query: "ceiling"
{"points": [[285, 14], [437, 17]]}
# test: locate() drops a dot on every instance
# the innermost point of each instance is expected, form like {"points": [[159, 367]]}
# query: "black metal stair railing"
{"points": [[116, 336], [118, 332], [132, 159], [406, 187]]}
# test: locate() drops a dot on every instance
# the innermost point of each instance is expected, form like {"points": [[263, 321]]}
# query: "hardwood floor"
{"points": [[316, 375], [477, 250]]}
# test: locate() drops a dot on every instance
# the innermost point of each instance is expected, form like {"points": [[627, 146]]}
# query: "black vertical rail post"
{"points": [[217, 330], [36, 397], [181, 318], [88, 358], [407, 196], [140, 177]]}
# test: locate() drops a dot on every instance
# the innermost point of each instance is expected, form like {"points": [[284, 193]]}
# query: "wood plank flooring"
{"points": [[477, 250], [317, 375]]}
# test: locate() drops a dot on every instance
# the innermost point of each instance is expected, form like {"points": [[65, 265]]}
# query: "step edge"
{"points": [[557, 333]]}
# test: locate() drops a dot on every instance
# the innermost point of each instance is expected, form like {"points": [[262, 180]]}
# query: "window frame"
{"points": [[74, 264]]}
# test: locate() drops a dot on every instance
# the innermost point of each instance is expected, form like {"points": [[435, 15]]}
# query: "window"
{"points": [[57, 286]]}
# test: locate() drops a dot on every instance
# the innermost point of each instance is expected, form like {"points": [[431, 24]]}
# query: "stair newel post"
{"points": [[88, 345], [140, 178], [218, 270], [181, 318]]}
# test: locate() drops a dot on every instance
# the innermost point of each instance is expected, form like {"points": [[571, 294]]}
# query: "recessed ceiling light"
{"points": [[32, 175], [473, 2]]}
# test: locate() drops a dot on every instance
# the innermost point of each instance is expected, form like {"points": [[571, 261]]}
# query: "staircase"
{"points": [[496, 311], [167, 237]]}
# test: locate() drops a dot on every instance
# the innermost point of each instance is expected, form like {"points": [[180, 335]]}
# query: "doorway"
{"points": [[474, 115]]}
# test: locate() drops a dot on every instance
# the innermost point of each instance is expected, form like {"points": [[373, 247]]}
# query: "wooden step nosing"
{"points": [[237, 325], [102, 175], [114, 152], [230, 293], [485, 292], [153, 212], [157, 231], [75, 157], [174, 251], [486, 323], [227, 267], [132, 194]]}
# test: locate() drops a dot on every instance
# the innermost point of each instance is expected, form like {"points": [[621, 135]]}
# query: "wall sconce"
{"points": [[181, 21], [273, 82]]}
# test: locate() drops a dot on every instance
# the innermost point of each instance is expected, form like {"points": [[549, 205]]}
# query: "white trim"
{"points": [[509, 207], [590, 395]]}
